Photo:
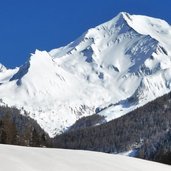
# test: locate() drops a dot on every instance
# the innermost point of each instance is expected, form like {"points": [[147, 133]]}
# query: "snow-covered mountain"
{"points": [[111, 69], [2, 68], [34, 159]]}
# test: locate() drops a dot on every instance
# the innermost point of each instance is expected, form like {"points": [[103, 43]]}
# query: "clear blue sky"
{"points": [[46, 24]]}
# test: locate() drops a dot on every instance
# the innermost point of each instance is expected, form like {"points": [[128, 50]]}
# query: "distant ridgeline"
{"points": [[147, 130]]}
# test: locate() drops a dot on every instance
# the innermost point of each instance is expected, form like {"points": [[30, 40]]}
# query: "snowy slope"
{"points": [[116, 66], [43, 159]]}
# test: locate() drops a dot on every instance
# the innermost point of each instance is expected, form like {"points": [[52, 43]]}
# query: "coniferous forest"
{"points": [[18, 129], [147, 130]]}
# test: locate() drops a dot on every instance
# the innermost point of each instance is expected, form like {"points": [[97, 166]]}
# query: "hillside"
{"points": [[147, 130], [19, 129]]}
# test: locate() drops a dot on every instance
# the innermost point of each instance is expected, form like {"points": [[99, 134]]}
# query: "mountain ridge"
{"points": [[109, 64]]}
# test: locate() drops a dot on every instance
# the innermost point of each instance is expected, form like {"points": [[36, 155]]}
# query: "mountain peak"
{"points": [[2, 68], [120, 19], [38, 63], [124, 15]]}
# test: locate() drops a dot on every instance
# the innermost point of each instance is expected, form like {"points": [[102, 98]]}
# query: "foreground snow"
{"points": [[41, 159]]}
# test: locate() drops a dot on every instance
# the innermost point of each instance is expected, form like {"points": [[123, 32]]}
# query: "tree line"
{"points": [[18, 129]]}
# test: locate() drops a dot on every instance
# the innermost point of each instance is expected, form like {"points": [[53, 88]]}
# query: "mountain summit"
{"points": [[2, 68], [110, 70]]}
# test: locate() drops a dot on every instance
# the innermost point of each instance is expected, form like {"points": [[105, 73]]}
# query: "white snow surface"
{"points": [[43, 159], [116, 66]]}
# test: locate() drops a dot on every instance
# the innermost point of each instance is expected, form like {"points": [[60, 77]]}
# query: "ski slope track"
{"points": [[111, 69], [43, 159]]}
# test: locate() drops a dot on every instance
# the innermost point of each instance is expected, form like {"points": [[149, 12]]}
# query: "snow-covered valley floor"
{"points": [[15, 158]]}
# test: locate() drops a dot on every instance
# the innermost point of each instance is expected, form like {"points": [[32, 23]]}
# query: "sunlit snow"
{"points": [[43, 159], [123, 63]]}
